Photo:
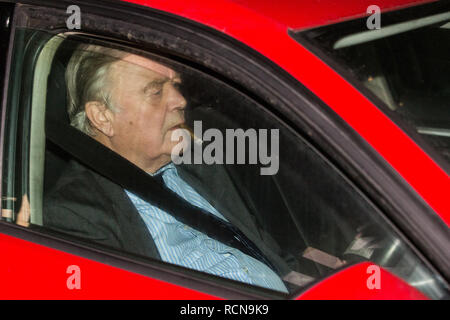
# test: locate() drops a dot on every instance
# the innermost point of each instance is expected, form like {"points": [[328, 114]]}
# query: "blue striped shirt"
{"points": [[179, 244]]}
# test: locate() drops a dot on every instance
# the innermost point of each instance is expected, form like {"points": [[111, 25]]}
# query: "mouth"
{"points": [[182, 125]]}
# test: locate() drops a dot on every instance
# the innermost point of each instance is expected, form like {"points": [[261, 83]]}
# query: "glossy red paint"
{"points": [[31, 271], [352, 284], [252, 26], [293, 14], [297, 14]]}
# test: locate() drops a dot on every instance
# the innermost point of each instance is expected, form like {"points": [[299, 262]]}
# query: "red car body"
{"points": [[35, 271]]}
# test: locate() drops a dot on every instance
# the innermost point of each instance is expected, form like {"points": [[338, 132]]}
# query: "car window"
{"points": [[5, 14], [401, 65], [284, 215]]}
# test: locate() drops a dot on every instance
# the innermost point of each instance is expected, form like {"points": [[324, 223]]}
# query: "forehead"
{"points": [[144, 64]]}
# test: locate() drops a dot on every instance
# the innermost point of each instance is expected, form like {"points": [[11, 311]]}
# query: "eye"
{"points": [[156, 92], [153, 89], [177, 82]]}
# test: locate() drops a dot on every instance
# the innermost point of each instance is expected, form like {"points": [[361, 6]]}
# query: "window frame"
{"points": [[315, 121], [6, 57]]}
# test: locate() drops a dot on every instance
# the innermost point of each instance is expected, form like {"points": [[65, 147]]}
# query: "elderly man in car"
{"points": [[132, 105]]}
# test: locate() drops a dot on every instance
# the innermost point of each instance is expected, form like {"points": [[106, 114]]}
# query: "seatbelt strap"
{"points": [[124, 173]]}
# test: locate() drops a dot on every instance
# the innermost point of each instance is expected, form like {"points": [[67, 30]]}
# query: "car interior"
{"points": [[209, 106], [409, 75], [307, 207]]}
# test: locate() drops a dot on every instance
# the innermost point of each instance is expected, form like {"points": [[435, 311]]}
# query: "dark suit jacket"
{"points": [[87, 205]]}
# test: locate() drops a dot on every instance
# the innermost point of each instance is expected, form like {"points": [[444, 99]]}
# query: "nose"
{"points": [[175, 100]]}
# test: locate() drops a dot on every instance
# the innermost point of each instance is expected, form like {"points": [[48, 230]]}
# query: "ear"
{"points": [[100, 117]]}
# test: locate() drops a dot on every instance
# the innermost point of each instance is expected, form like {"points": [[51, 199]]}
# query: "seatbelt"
{"points": [[107, 163]]}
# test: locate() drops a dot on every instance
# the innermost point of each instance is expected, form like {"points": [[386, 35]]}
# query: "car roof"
{"points": [[299, 14], [294, 14]]}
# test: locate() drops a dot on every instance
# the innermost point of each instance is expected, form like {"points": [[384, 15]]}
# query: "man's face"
{"points": [[150, 108]]}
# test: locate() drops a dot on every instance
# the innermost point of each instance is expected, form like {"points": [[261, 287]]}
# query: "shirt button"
{"points": [[226, 255], [245, 269]]}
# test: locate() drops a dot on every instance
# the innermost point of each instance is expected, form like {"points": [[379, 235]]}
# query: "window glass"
{"points": [[5, 14], [405, 63], [279, 214]]}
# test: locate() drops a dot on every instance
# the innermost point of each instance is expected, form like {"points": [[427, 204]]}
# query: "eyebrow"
{"points": [[161, 81]]}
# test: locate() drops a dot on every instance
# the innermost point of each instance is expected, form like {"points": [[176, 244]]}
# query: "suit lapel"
{"points": [[210, 181], [214, 184], [134, 233]]}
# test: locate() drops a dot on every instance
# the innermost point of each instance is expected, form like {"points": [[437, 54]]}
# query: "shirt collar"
{"points": [[168, 168]]}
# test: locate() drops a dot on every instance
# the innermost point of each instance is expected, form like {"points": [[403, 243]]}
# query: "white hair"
{"points": [[87, 79]]}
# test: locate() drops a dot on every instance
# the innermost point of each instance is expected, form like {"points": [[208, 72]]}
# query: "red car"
{"points": [[353, 193]]}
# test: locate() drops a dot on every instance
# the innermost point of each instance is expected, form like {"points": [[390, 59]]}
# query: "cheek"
{"points": [[127, 125], [151, 133], [154, 123], [146, 129], [168, 143]]}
